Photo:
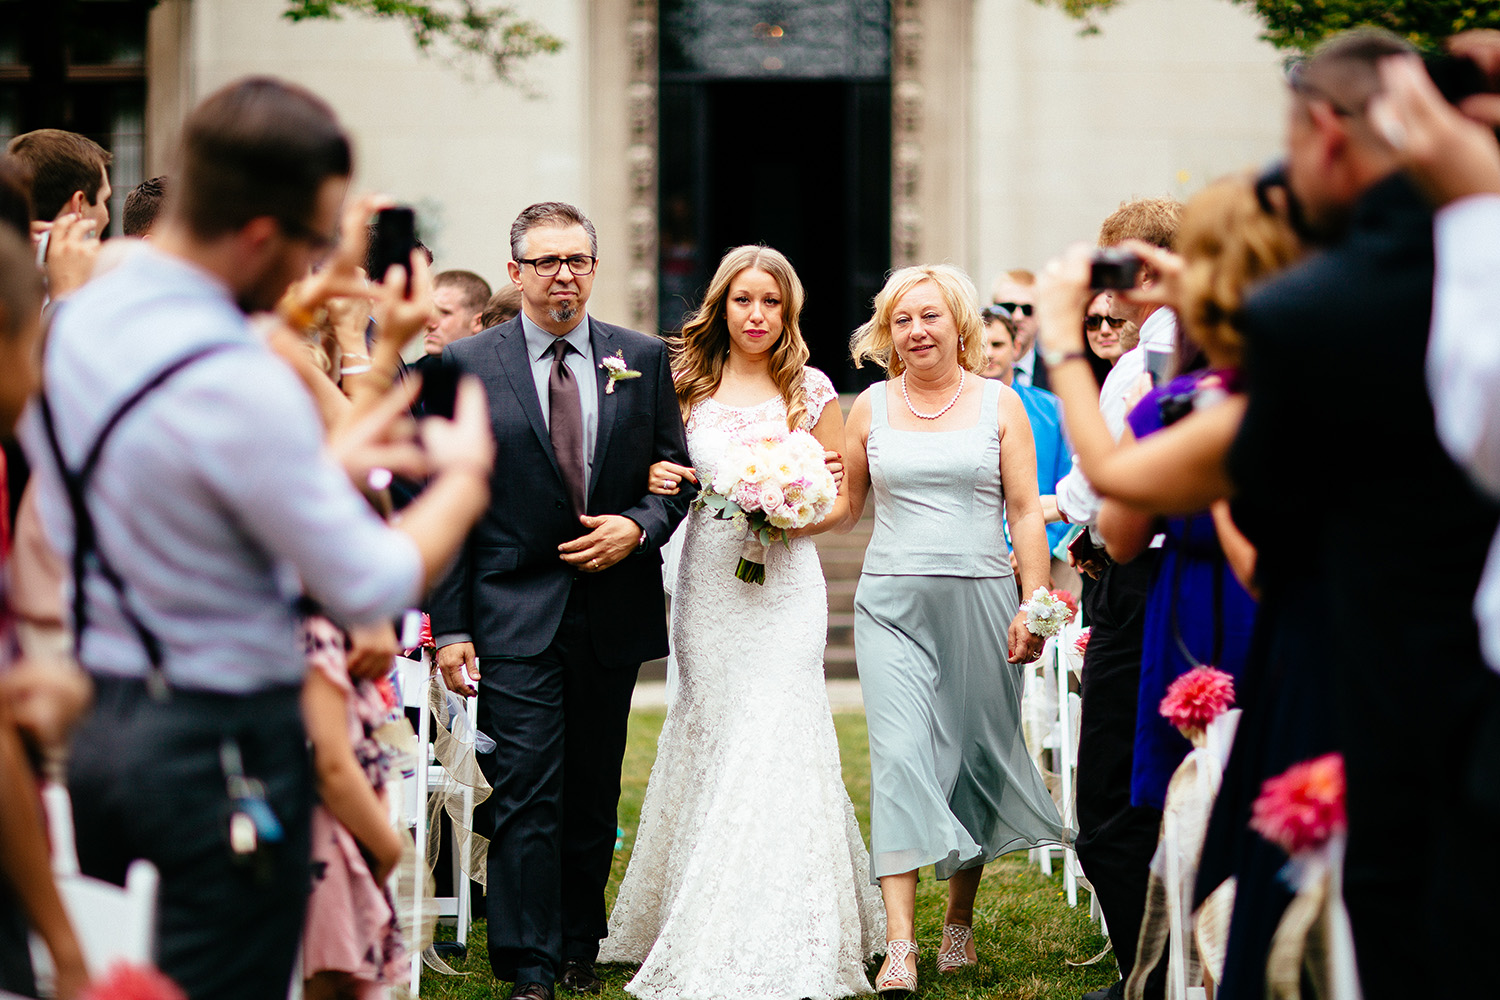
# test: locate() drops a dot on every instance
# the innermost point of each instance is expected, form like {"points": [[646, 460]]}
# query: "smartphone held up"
{"points": [[392, 242]]}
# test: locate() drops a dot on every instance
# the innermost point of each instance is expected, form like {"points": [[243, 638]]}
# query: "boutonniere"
{"points": [[614, 366]]}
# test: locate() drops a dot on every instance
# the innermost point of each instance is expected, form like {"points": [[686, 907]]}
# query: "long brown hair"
{"points": [[698, 354]]}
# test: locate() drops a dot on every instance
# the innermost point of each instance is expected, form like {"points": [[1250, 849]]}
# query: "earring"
{"points": [[960, 345]]}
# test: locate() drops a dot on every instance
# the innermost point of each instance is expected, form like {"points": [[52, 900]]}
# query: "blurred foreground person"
{"points": [[28, 895], [181, 471]]}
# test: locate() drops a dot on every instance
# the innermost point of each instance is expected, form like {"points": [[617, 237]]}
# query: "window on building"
{"points": [[78, 65]]}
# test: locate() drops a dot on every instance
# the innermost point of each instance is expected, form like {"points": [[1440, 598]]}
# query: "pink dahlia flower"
{"points": [[1081, 644], [133, 982], [1197, 698], [1302, 807]]}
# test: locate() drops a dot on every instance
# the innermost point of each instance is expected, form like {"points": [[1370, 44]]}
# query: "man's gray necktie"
{"points": [[566, 424]]}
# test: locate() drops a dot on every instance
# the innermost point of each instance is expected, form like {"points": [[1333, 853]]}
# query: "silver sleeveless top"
{"points": [[939, 508]]}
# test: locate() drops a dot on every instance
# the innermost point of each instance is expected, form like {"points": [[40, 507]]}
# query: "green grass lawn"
{"points": [[1025, 931]]}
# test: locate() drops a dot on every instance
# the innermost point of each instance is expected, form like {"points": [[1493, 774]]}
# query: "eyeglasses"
{"points": [[1093, 323], [1024, 308], [579, 264]]}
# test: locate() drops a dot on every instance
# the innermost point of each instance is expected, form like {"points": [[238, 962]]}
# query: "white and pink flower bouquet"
{"points": [[1047, 613], [772, 480]]}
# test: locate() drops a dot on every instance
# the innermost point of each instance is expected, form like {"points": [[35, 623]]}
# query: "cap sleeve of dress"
{"points": [[817, 391]]}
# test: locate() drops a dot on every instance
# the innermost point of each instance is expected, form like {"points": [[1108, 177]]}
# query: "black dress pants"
{"points": [[147, 782], [1115, 839], [558, 720]]}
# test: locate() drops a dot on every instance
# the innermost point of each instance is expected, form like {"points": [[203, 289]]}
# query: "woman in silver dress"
{"points": [[946, 455]]}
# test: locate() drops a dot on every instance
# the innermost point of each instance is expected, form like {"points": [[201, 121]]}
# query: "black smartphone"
{"points": [[440, 389], [393, 241]]}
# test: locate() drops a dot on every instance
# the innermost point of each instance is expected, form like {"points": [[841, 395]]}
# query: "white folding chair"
{"points": [[428, 776], [113, 924]]}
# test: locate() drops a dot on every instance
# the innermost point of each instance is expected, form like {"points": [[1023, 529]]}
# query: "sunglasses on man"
{"points": [[1024, 308]]}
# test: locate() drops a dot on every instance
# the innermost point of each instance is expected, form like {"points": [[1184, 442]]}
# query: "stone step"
{"points": [[841, 629], [841, 564], [841, 594], [838, 662]]}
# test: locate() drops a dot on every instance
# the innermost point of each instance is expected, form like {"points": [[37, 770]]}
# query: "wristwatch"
{"points": [[1054, 358]]}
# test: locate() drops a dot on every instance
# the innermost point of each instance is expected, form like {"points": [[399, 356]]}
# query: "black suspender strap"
{"points": [[86, 548]]}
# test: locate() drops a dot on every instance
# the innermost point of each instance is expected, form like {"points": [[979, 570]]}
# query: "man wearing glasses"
{"points": [[558, 593]]}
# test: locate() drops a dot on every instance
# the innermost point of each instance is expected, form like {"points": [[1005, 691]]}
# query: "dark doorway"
{"points": [[800, 163]]}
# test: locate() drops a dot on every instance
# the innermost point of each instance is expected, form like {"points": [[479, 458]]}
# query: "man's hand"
{"points": [[46, 698], [612, 537], [1062, 296], [71, 250], [460, 668], [1448, 153], [372, 648]]}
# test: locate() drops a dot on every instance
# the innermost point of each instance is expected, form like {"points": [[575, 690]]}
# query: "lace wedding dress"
{"points": [[749, 877]]}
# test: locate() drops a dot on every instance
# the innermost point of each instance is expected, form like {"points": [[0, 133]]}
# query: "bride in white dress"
{"points": [[749, 877]]}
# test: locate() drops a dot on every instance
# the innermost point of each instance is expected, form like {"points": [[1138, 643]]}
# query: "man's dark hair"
{"points": [[475, 290], [548, 213], [142, 205], [59, 163], [15, 198], [1344, 69], [503, 305], [257, 147]]}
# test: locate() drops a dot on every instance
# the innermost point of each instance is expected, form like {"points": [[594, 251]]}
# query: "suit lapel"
{"points": [[600, 340], [516, 361]]}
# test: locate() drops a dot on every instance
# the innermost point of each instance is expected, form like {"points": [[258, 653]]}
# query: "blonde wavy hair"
{"points": [[698, 353], [872, 341], [1227, 242]]}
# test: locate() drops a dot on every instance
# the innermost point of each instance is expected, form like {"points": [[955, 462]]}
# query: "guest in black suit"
{"points": [[559, 594], [1408, 686]]}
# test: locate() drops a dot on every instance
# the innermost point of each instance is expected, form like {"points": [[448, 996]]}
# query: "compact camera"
{"points": [[1113, 268]]}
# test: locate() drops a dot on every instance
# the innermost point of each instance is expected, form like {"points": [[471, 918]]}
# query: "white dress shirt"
{"points": [[1024, 367], [1463, 367], [1076, 499]]}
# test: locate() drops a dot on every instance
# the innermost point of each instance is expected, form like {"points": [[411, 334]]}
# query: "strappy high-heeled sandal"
{"points": [[956, 956], [897, 983]]}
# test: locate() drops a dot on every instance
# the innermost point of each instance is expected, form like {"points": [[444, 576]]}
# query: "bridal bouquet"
{"points": [[1046, 614], [771, 480]]}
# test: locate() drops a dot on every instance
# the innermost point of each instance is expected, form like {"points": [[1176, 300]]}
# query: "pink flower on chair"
{"points": [[133, 982], [1197, 698], [1066, 596], [1081, 644], [1302, 807]]}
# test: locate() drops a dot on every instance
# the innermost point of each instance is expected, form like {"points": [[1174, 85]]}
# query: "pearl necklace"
{"points": [[939, 413]]}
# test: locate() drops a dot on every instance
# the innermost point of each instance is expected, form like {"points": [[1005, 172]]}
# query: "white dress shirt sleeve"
{"points": [[1463, 355]]}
